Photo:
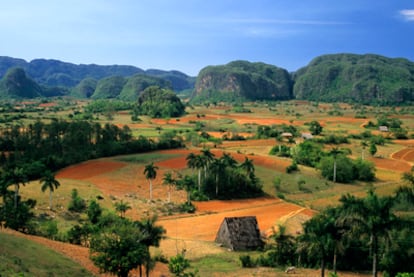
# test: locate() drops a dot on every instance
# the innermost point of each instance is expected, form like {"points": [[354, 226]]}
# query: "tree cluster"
{"points": [[159, 103], [60, 143], [334, 164], [342, 237], [224, 177]]}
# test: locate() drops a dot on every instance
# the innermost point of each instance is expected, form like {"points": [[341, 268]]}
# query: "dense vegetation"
{"points": [[367, 79], [63, 74], [158, 102], [358, 234], [242, 79], [16, 84]]}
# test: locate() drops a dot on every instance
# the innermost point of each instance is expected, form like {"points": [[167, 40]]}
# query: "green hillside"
{"points": [[15, 84], [22, 257], [138, 83], [242, 79], [367, 79], [63, 74]]}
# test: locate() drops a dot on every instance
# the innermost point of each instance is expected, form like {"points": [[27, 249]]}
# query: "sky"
{"points": [[188, 35]]}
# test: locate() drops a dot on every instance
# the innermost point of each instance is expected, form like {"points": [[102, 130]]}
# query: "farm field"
{"points": [[121, 178]]}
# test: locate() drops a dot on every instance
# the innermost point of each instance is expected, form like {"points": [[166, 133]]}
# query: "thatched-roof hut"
{"points": [[239, 233]]}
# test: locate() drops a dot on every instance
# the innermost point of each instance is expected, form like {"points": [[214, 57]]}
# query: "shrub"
{"points": [[77, 204], [246, 261]]}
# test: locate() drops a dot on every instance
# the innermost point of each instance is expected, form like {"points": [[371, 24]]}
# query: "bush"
{"points": [[291, 168], [246, 261], [77, 204], [187, 208]]}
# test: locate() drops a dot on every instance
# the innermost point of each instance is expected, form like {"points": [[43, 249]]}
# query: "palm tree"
{"points": [[169, 181], [208, 159], [152, 236], [248, 166], [122, 207], [371, 215], [322, 235], [218, 168], [16, 177], [334, 152], [285, 246], [364, 145], [49, 182], [406, 191], [150, 172], [315, 241], [196, 162], [228, 160], [336, 231]]}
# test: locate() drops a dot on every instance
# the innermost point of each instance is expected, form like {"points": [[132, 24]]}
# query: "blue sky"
{"points": [[188, 35]]}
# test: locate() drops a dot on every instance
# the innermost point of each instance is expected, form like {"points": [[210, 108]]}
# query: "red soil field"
{"points": [[89, 169], [391, 164], [406, 154]]}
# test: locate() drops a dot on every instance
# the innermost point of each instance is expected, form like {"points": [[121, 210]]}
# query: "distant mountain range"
{"points": [[53, 77], [365, 79]]}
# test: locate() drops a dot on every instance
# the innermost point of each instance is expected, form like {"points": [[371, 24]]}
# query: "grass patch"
{"points": [[22, 257], [146, 158], [221, 263]]}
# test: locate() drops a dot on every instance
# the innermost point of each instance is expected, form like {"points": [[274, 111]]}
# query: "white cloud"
{"points": [[408, 14]]}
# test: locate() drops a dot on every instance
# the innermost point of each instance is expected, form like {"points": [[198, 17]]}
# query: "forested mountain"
{"points": [[15, 84], [367, 79], [58, 73], [242, 79]]}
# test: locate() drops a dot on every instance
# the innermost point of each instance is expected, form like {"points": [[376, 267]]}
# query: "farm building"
{"points": [[239, 233], [383, 128]]}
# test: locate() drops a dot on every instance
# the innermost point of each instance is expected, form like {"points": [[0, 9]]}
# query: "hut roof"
{"points": [[239, 233]]}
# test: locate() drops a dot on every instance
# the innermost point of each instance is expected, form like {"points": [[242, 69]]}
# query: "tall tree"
{"points": [[152, 235], [118, 249], [169, 181], [150, 172], [334, 152], [372, 216], [196, 162], [50, 183], [17, 177], [218, 169], [208, 158], [122, 207], [315, 240], [284, 248], [248, 166]]}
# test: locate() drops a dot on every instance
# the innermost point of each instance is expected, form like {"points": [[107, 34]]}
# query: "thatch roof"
{"points": [[239, 233]]}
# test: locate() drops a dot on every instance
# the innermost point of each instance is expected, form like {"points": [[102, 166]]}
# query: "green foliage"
{"points": [[118, 249], [23, 257], [94, 212], [344, 168], [85, 88], [372, 149], [76, 204], [109, 87], [315, 128], [179, 265], [365, 79], [136, 84], [307, 153], [15, 84], [160, 103], [292, 167], [246, 261], [242, 79], [280, 151]]}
